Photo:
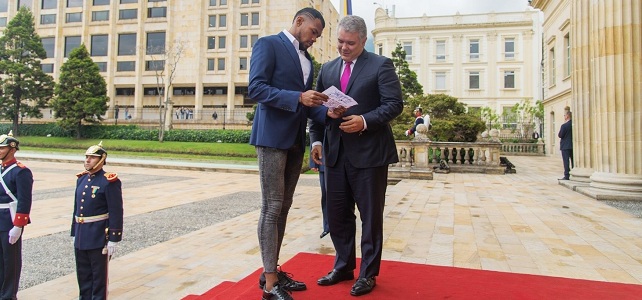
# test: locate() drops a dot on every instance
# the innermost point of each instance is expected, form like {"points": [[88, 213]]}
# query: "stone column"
{"points": [[581, 107], [610, 106]]}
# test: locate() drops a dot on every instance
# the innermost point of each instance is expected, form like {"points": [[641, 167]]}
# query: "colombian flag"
{"points": [[346, 7]]}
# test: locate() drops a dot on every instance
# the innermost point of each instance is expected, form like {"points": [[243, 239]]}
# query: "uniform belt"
{"points": [[92, 219], [4, 205]]}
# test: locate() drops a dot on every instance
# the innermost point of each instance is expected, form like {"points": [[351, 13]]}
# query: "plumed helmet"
{"points": [[7, 140], [96, 150]]}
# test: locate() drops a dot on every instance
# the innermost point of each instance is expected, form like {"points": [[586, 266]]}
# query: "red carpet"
{"points": [[400, 280]]}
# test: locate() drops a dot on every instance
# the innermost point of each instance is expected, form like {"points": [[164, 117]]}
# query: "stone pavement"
{"points": [[521, 223]]}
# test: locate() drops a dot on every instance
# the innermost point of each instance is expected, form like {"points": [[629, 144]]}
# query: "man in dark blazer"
{"points": [[566, 144], [281, 75], [357, 150]]}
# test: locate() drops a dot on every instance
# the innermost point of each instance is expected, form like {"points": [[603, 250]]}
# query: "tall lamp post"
{"points": [[224, 112]]}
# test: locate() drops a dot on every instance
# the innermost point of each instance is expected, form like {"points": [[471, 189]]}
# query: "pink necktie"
{"points": [[346, 76]]}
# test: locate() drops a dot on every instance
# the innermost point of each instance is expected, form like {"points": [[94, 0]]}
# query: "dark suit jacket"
{"points": [[375, 86], [566, 136], [276, 83]]}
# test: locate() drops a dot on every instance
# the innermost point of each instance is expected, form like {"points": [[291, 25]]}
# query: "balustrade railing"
{"points": [[419, 157], [524, 148]]}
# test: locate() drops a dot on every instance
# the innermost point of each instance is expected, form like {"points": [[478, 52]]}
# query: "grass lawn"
{"points": [[149, 149]]}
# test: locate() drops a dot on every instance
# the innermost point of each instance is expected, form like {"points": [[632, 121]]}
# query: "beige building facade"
{"points": [[135, 42], [606, 92], [484, 60]]}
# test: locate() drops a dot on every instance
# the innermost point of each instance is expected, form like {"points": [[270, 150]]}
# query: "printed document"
{"points": [[338, 98]]}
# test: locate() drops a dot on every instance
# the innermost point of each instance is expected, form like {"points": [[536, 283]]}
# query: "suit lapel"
{"points": [[356, 69], [293, 54]]}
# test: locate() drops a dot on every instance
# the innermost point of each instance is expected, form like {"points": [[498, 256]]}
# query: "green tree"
{"points": [[449, 119], [410, 86], [24, 88], [81, 94]]}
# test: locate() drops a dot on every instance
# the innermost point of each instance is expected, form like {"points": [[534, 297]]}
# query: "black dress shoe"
{"points": [[563, 178], [285, 281], [363, 286], [323, 234], [334, 277], [277, 293]]}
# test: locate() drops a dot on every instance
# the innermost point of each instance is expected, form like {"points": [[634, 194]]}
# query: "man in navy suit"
{"points": [[566, 144], [357, 151], [281, 74]]}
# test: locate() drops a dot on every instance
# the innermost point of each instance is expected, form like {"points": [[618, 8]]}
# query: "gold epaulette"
{"points": [[81, 174], [20, 165], [111, 177]]}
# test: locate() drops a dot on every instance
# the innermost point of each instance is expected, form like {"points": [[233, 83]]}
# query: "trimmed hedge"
{"points": [[134, 132]]}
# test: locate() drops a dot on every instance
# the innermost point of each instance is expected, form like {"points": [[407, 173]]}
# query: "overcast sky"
{"points": [[417, 8]]}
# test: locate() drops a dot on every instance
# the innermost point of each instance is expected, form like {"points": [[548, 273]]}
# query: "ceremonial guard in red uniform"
{"points": [[15, 205], [97, 224]]}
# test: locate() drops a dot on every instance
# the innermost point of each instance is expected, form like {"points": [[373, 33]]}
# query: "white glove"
{"points": [[14, 234], [407, 132], [111, 248]]}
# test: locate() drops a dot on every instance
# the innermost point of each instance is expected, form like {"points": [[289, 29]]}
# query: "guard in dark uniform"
{"points": [[97, 224], [15, 205]]}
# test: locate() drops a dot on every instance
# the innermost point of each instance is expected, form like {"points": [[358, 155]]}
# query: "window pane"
{"points": [[102, 15], [407, 46], [73, 17], [154, 65], [243, 41], [99, 45], [509, 79], [221, 64], [157, 12], [255, 1], [101, 2], [222, 21], [440, 81], [128, 1], [47, 68], [48, 19], [245, 1], [125, 14], [254, 38], [4, 5], [123, 66], [3, 21], [71, 43], [210, 64], [127, 44], [244, 20], [49, 44], [102, 66], [212, 21], [26, 3], [211, 42], [74, 3], [473, 80], [441, 51], [212, 2], [223, 2], [255, 18], [155, 42], [221, 42], [47, 4], [509, 48], [125, 91], [243, 63]]}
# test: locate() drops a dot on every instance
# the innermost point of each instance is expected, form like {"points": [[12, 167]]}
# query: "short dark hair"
{"points": [[310, 12], [419, 110]]}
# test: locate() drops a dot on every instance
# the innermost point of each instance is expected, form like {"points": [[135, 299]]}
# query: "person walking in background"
{"points": [[566, 144], [356, 152], [281, 74], [15, 206], [97, 223]]}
